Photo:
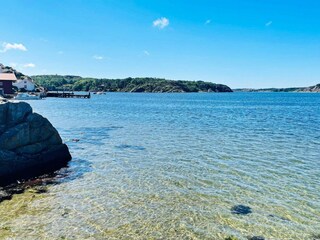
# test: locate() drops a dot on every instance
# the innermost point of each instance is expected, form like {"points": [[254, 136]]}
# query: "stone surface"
{"points": [[29, 144], [241, 210], [315, 88], [256, 238], [4, 196]]}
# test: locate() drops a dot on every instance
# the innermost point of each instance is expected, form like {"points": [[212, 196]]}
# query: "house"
{"points": [[26, 84], [6, 81]]}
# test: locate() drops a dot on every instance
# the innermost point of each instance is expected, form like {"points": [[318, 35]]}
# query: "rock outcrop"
{"points": [[29, 144], [315, 88]]}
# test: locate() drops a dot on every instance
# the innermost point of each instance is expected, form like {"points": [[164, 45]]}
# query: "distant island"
{"points": [[153, 85], [315, 88]]}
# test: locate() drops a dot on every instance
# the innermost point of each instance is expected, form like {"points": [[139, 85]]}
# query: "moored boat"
{"points": [[27, 96]]}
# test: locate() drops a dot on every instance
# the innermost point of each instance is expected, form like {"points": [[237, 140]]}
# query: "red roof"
{"points": [[8, 77]]}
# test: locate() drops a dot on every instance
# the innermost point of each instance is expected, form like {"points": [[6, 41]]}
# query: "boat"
{"points": [[101, 93], [27, 96]]}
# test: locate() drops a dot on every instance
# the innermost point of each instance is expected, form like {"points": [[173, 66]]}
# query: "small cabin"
{"points": [[26, 84], [6, 83]]}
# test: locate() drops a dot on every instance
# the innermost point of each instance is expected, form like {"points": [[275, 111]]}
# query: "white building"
{"points": [[26, 84]]}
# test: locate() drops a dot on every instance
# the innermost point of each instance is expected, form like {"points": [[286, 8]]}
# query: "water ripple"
{"points": [[172, 166]]}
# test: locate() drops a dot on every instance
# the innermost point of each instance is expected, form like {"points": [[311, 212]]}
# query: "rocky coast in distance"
{"points": [[29, 144], [312, 89]]}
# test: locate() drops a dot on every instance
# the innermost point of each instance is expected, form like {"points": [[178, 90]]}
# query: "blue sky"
{"points": [[241, 43]]}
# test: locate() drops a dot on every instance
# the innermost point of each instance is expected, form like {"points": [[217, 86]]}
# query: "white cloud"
{"points": [[146, 53], [268, 23], [29, 65], [97, 57], [13, 46], [161, 23], [207, 22]]}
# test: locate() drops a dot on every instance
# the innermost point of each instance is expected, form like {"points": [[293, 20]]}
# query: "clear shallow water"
{"points": [[171, 166]]}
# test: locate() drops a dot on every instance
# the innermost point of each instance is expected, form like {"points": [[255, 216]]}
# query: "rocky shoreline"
{"points": [[29, 144], [312, 89]]}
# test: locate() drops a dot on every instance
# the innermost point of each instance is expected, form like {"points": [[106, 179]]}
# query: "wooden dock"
{"points": [[67, 95]]}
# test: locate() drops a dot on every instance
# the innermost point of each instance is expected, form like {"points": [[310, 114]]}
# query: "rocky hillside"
{"points": [[29, 144], [7, 69], [315, 88], [76, 83]]}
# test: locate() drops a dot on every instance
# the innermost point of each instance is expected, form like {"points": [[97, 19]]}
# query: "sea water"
{"points": [[172, 166]]}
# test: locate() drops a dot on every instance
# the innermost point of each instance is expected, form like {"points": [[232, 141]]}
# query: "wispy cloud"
{"points": [[12, 46], [145, 52], [161, 23], [207, 22], [97, 57], [20, 66], [29, 65], [268, 23]]}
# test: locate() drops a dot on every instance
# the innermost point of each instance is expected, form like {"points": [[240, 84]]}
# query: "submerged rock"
{"points": [[241, 210], [256, 238], [7, 192], [29, 144], [14, 189], [315, 236], [40, 189], [4, 196]]}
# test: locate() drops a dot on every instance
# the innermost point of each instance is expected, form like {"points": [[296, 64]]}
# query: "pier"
{"points": [[67, 95]]}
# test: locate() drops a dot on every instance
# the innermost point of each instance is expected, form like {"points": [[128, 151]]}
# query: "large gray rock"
{"points": [[29, 144]]}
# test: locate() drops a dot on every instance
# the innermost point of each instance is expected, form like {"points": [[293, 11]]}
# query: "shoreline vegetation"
{"points": [[143, 84], [147, 84]]}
